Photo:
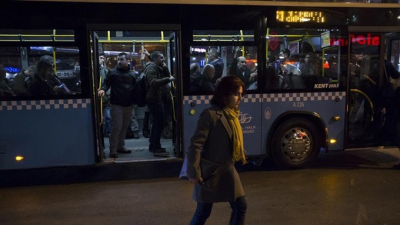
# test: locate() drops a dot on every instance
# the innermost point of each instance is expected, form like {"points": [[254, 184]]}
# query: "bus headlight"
{"points": [[332, 141], [19, 158]]}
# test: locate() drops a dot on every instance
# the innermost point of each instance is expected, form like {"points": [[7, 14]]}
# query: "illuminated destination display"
{"points": [[300, 16]]}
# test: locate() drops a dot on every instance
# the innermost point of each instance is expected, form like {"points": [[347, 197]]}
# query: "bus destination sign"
{"points": [[300, 16]]}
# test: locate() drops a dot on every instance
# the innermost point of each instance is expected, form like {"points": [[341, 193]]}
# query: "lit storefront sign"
{"points": [[361, 39]]}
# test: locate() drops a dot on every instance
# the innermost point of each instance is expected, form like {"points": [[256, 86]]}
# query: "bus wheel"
{"points": [[296, 143]]}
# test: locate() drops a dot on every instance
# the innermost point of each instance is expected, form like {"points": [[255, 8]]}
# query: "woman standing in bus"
{"points": [[215, 146]]}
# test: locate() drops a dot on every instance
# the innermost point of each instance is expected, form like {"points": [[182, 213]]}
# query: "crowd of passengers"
{"points": [[37, 80], [282, 73]]}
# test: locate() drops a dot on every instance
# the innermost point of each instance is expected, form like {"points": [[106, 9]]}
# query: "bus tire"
{"points": [[296, 143]]}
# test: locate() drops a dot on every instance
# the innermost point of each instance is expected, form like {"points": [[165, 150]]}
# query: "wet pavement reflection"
{"points": [[353, 187]]}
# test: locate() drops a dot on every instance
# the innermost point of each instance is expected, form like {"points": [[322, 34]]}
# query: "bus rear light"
{"points": [[19, 158], [332, 141]]}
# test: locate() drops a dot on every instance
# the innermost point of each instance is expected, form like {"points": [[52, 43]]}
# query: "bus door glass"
{"points": [[391, 89], [364, 114], [172, 129], [137, 46], [97, 103]]}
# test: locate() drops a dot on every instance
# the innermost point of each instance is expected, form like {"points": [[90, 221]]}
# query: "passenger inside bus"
{"points": [[309, 70], [214, 59], [274, 81], [22, 80], [242, 71], [289, 71], [5, 89], [195, 77], [45, 82], [206, 78]]}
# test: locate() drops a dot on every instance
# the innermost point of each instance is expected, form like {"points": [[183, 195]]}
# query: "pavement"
{"points": [[350, 187]]}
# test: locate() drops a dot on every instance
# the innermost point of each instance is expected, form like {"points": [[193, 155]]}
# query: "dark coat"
{"points": [[155, 82], [207, 86], [39, 87], [212, 141], [5, 90], [121, 83], [219, 69], [243, 74], [20, 84]]}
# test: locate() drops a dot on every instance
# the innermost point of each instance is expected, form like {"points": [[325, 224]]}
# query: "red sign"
{"points": [[361, 39]]}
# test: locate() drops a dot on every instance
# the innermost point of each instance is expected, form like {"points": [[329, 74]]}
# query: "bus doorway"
{"points": [[138, 46], [371, 117]]}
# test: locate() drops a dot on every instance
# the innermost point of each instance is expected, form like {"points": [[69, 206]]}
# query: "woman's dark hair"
{"points": [[227, 86]]}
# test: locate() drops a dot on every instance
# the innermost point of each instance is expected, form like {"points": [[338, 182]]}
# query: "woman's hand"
{"points": [[196, 181]]}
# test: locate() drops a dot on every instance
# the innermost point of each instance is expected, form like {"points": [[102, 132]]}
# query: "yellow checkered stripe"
{"points": [[44, 104], [304, 97], [205, 99], [277, 97]]}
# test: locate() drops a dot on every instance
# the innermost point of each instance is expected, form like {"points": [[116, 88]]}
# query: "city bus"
{"points": [[315, 75]]}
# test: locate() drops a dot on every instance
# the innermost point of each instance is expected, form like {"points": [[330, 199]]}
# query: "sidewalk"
{"points": [[352, 187], [381, 158]]}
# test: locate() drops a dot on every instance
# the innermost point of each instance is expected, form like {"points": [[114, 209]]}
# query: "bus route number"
{"points": [[298, 104]]}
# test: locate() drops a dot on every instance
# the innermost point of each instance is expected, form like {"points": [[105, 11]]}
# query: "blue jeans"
{"points": [[107, 124], [238, 214], [157, 112]]}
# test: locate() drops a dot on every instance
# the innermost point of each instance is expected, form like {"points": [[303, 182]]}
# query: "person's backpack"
{"points": [[139, 91]]}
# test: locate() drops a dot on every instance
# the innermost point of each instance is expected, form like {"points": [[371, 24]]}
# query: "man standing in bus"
{"points": [[155, 82], [242, 71], [217, 62], [121, 81]]}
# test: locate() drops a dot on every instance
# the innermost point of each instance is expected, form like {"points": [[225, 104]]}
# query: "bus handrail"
{"points": [[365, 95]]}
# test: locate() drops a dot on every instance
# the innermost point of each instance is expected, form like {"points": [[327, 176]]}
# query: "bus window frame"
{"points": [[82, 95], [186, 79], [344, 33]]}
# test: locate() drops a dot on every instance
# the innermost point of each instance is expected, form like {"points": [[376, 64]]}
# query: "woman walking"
{"points": [[215, 146]]}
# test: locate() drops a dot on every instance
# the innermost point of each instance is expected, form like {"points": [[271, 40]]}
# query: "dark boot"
{"points": [[146, 131]]}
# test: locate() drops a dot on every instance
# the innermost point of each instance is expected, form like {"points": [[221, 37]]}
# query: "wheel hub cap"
{"points": [[296, 144]]}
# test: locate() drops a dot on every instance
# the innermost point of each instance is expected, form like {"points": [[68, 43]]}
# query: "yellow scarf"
{"points": [[238, 149]]}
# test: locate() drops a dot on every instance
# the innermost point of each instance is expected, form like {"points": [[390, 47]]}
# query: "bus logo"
{"points": [[267, 113], [245, 118]]}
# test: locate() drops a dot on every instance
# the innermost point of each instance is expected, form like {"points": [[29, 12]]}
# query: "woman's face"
{"points": [[233, 100]]}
